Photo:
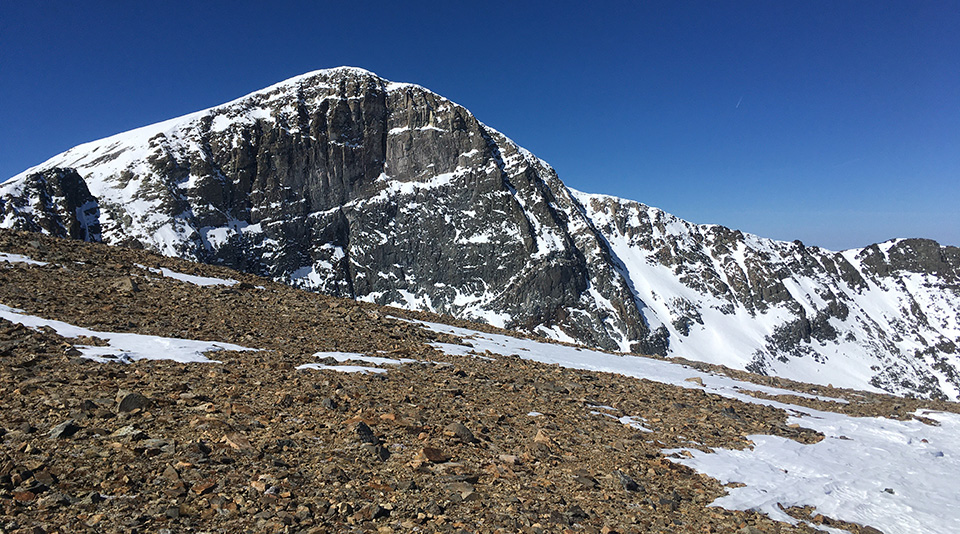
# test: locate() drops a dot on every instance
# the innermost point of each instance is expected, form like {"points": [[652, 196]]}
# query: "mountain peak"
{"points": [[341, 182]]}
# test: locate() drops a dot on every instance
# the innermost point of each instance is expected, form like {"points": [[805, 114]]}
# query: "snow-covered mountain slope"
{"points": [[343, 182], [886, 316]]}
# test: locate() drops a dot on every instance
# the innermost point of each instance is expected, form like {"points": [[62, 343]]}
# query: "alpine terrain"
{"points": [[344, 183], [143, 393]]}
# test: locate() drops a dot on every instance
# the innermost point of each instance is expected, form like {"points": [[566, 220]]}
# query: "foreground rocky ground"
{"points": [[252, 444]]}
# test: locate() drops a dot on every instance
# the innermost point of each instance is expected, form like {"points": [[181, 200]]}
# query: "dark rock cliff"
{"points": [[54, 201]]}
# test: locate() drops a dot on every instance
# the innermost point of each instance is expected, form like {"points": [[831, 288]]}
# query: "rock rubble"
{"points": [[253, 444]]}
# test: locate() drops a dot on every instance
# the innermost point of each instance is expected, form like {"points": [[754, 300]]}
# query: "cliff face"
{"points": [[54, 201], [342, 182]]}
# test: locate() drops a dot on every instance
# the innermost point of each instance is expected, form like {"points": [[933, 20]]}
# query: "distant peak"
{"points": [[342, 70]]}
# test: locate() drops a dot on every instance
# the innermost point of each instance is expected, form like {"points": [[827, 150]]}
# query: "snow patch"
{"points": [[353, 356], [17, 258], [126, 347], [202, 281]]}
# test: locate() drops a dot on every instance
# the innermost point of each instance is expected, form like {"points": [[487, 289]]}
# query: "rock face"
{"points": [[344, 183], [54, 201]]}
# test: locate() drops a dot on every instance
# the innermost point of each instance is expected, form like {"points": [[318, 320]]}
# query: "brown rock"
{"points": [[541, 437], [125, 285], [459, 431], [695, 379], [133, 401], [24, 496], [586, 482], [237, 441], [205, 486], [509, 459], [171, 474], [433, 455]]}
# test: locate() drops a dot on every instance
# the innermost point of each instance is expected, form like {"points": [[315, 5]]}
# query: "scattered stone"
{"points": [[541, 437], [64, 430], [238, 441], [509, 459], [125, 285], [433, 455], [464, 490], [93, 497], [378, 451], [24, 496], [157, 445], [372, 511], [586, 482], [459, 431], [365, 433], [628, 483], [407, 485], [170, 473], [576, 514], [133, 401], [129, 432], [205, 486]]}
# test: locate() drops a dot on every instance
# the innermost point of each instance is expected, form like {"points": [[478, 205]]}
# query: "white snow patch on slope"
{"points": [[343, 368], [353, 356], [17, 258], [202, 281], [125, 347], [847, 475], [592, 360], [844, 476]]}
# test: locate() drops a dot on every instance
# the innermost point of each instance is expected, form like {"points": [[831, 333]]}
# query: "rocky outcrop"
{"points": [[341, 182], [54, 201]]}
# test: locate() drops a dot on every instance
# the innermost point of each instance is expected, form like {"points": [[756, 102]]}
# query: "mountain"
{"points": [[341, 182]]}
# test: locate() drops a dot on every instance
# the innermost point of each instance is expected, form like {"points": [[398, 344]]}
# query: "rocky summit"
{"points": [[341, 182], [143, 393]]}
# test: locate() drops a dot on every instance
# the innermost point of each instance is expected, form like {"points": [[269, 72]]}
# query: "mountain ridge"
{"points": [[342, 182]]}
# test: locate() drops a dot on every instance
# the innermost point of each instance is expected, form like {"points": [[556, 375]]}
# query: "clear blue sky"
{"points": [[833, 122]]}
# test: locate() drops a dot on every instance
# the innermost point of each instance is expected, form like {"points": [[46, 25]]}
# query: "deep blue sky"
{"points": [[833, 122]]}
